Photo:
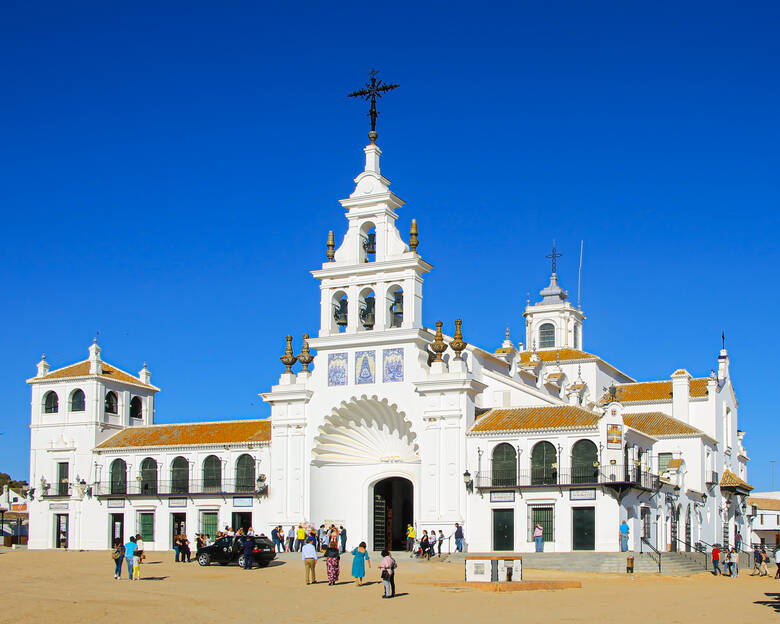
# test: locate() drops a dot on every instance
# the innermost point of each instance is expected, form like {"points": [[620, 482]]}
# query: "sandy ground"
{"points": [[60, 587]]}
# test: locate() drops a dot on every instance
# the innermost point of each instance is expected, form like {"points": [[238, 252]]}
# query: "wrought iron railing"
{"points": [[174, 487], [58, 489], [539, 477], [652, 551]]}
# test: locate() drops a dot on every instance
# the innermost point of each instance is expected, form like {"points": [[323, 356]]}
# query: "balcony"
{"points": [[713, 478], [153, 489], [620, 477], [58, 490]]}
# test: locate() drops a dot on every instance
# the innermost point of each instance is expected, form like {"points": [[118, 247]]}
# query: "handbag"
{"points": [[385, 575]]}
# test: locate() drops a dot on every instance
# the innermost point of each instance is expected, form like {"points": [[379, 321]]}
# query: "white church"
{"points": [[391, 423]]}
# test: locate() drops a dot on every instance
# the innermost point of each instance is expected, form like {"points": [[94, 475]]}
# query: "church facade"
{"points": [[380, 422]]}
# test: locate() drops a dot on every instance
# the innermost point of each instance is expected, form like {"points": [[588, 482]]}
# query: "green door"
{"points": [[584, 523], [503, 529]]}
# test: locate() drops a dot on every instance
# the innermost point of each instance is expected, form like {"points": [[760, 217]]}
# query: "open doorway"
{"points": [[393, 512], [116, 528], [241, 520]]}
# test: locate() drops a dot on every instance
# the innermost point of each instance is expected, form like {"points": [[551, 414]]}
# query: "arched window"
{"points": [[245, 474], [212, 474], [118, 477], [340, 314], [544, 469], [584, 455], [547, 336], [77, 401], [51, 403], [395, 300], [136, 408], [504, 471], [148, 476], [112, 403], [367, 309], [180, 476]]}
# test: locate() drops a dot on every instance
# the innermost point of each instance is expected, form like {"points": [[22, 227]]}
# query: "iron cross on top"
{"points": [[554, 255], [374, 88]]}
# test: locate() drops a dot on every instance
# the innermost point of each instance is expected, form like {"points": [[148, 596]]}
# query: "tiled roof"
{"points": [[549, 355], [659, 425], [81, 369], [730, 480], [225, 432], [770, 504], [532, 418], [654, 391]]}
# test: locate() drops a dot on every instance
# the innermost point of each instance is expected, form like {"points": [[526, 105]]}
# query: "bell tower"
{"points": [[373, 281], [553, 322]]}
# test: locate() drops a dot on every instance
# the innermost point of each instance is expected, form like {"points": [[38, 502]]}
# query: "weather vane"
{"points": [[374, 88], [554, 255]]}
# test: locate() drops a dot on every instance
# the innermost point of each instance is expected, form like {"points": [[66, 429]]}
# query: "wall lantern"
{"points": [[261, 484], [468, 481]]}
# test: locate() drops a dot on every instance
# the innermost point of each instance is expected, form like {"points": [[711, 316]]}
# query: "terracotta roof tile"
{"points": [[654, 391], [730, 480], [549, 355], [225, 432], [531, 418], [81, 369], [658, 424], [770, 504]]}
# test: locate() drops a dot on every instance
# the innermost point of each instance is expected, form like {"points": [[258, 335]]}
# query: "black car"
{"points": [[229, 549]]}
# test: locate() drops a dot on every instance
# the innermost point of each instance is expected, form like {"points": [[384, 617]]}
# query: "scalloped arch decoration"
{"points": [[365, 431]]}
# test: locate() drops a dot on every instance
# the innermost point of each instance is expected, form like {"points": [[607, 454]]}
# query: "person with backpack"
{"points": [[118, 554]]}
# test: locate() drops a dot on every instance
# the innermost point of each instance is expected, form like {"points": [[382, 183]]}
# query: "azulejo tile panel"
{"points": [[337, 369], [392, 365], [365, 367]]}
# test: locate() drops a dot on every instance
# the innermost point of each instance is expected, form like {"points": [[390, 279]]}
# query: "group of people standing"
{"points": [[761, 561], [297, 537], [729, 559], [133, 553], [428, 545]]}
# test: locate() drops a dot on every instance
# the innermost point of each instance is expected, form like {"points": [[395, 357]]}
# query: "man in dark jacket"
{"points": [[249, 545], [343, 536]]}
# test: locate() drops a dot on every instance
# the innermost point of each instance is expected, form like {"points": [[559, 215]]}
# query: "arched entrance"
{"points": [[393, 511]]}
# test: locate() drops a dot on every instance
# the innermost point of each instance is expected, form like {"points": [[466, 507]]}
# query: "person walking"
{"points": [[458, 537], [716, 561], [332, 561], [539, 537], [738, 540], [387, 569], [309, 557], [425, 545], [118, 555], [139, 547], [624, 536], [734, 563], [300, 535], [764, 561], [727, 562], [756, 560], [343, 538], [129, 554], [359, 560], [410, 538]]}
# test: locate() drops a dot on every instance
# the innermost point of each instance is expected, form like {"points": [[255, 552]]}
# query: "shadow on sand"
{"points": [[773, 602]]}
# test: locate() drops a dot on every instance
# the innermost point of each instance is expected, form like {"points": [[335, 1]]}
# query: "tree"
{"points": [[5, 479]]}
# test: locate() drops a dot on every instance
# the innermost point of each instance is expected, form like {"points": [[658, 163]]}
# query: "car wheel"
{"points": [[241, 561], [204, 559]]}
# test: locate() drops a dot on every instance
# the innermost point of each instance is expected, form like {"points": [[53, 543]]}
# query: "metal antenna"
{"points": [[579, 278]]}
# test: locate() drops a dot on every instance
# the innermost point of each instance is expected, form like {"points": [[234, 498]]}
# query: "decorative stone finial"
{"points": [[413, 240], [144, 375], [438, 346], [457, 344], [331, 252], [95, 364], [43, 366], [288, 359], [305, 357]]}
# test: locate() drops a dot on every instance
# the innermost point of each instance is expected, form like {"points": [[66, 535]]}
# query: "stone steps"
{"points": [[672, 564]]}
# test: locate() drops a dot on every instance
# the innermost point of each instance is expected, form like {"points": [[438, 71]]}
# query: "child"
{"points": [[136, 567]]}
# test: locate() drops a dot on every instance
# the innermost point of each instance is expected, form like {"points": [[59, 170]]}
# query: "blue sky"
{"points": [[169, 172]]}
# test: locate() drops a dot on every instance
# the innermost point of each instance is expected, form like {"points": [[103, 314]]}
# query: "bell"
{"points": [[370, 244], [340, 313], [397, 309], [367, 313]]}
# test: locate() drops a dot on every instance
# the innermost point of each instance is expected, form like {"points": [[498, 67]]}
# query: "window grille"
{"points": [[544, 464], [245, 474], [51, 403], [209, 521], [504, 467], [547, 335], [584, 455], [180, 476], [663, 462], [148, 476], [212, 473], [118, 477], [77, 402], [544, 516]]}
